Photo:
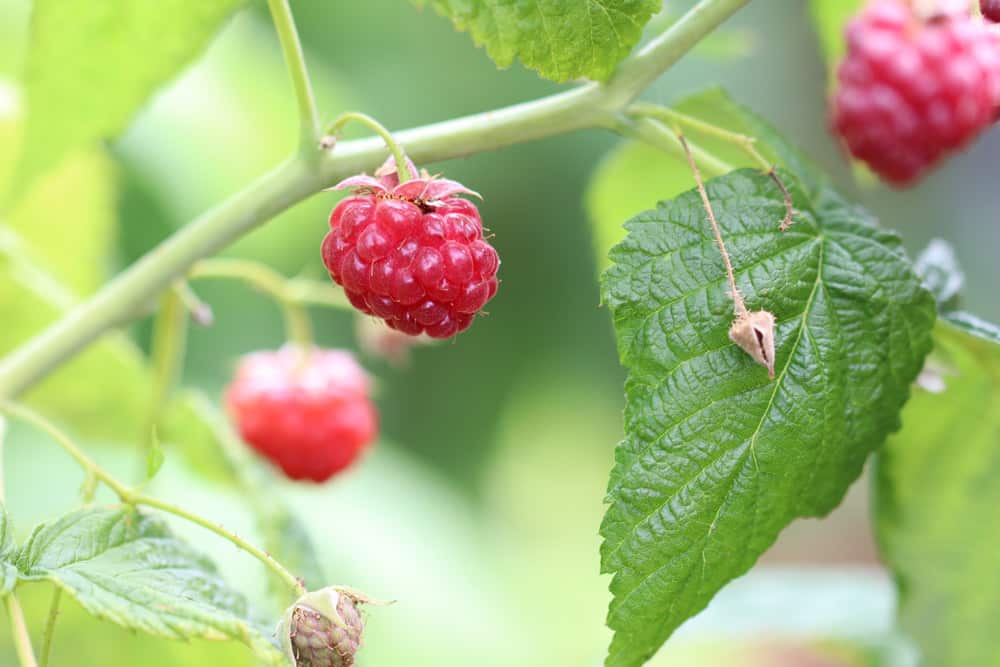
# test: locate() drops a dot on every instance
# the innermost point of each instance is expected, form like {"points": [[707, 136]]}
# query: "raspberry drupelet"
{"points": [[412, 254]]}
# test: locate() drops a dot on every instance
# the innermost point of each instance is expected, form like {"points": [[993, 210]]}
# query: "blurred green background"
{"points": [[478, 512]]}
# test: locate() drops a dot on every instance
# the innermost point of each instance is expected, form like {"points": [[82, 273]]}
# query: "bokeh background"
{"points": [[478, 510]]}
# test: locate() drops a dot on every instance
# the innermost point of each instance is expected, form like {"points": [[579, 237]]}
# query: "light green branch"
{"points": [[590, 105], [131, 496]]}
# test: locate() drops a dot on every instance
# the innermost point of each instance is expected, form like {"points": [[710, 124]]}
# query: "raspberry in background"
{"points": [[914, 88], [311, 415], [412, 254], [990, 9]]}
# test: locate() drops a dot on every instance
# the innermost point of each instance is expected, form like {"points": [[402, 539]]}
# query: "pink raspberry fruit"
{"points": [[913, 89], [412, 254], [309, 414]]}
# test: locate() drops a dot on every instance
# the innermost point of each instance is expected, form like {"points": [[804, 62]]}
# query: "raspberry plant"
{"points": [[776, 337]]}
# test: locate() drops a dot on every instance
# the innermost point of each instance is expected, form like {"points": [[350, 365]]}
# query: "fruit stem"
{"points": [[309, 120], [653, 133], [132, 497], [19, 630], [166, 358], [745, 143], [330, 138], [50, 627], [293, 583], [738, 305], [292, 295]]}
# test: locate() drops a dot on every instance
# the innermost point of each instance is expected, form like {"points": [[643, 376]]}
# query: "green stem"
{"points": [[50, 627], [590, 105], [167, 356], [309, 119], [289, 294], [254, 551], [742, 141], [656, 135], [19, 630], [131, 497], [402, 166]]}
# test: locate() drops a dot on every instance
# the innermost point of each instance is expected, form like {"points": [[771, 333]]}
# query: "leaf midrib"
{"points": [[752, 441]]}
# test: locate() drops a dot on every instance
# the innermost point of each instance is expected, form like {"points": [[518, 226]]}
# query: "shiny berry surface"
{"points": [[309, 416], [421, 268], [911, 90]]}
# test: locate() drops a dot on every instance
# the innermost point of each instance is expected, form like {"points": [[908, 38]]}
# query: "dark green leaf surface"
{"points": [[8, 571], [717, 459], [560, 39], [122, 49], [126, 567], [938, 497]]}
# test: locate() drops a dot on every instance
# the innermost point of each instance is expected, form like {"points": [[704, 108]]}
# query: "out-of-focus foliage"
{"points": [[140, 46], [937, 495]]}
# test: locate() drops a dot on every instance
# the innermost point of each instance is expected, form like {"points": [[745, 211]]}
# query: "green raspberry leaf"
{"points": [[938, 497], [8, 571], [718, 459], [127, 568], [122, 49], [560, 39]]}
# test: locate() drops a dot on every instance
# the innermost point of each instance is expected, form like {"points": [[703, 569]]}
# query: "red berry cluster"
{"points": [[309, 415], [412, 254], [913, 89]]}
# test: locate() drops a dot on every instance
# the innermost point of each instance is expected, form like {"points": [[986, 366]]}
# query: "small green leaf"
{"points": [[717, 459], [938, 497], [126, 567], [829, 18], [8, 570], [124, 50], [560, 39]]}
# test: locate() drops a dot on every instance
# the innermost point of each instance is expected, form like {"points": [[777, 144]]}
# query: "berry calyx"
{"points": [[990, 10], [309, 413], [914, 88], [411, 253]]}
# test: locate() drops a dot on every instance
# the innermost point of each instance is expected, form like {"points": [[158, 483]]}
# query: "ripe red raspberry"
{"points": [[412, 254], [913, 89], [310, 415], [990, 9]]}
